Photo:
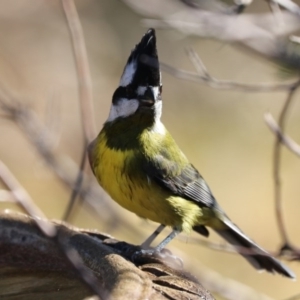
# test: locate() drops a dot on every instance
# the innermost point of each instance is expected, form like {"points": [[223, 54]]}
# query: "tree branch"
{"points": [[24, 200], [83, 70], [85, 92], [285, 140], [277, 166], [32, 264]]}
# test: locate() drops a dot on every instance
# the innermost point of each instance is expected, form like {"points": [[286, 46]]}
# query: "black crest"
{"points": [[143, 61]]}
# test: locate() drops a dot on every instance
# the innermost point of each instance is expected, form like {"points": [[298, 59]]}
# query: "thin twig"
{"points": [[226, 84], [227, 248], [83, 70], [85, 91], [48, 229], [198, 63], [77, 187], [286, 140], [63, 166], [24, 200], [277, 165]]}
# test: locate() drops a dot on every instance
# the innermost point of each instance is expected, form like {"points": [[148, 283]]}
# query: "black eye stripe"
{"points": [[127, 92], [130, 92]]}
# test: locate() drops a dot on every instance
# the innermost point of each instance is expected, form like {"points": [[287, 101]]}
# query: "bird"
{"points": [[138, 163]]}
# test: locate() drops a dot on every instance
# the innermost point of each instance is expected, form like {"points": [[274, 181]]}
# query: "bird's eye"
{"points": [[160, 89]]}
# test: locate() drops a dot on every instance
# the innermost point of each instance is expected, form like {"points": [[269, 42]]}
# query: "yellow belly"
{"points": [[136, 192]]}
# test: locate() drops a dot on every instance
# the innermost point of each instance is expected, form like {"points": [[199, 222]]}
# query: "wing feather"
{"points": [[184, 181]]}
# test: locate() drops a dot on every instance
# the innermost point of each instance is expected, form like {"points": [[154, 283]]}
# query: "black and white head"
{"points": [[140, 86]]}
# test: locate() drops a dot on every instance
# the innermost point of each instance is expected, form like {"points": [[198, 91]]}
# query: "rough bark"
{"points": [[33, 266]]}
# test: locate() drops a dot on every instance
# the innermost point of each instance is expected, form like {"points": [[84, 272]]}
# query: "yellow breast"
{"points": [[131, 188]]}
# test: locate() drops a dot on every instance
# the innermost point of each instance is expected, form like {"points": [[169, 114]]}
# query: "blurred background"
{"points": [[222, 132]]}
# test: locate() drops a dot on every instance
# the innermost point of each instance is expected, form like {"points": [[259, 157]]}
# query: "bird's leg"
{"points": [[152, 237], [157, 250], [167, 240], [161, 245]]}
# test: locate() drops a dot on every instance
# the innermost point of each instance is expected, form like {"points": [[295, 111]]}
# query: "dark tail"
{"points": [[260, 260]]}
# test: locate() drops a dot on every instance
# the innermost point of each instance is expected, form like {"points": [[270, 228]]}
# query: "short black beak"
{"points": [[148, 99]]}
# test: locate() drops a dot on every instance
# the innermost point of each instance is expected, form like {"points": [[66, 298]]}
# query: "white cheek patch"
{"points": [[128, 73], [123, 108]]}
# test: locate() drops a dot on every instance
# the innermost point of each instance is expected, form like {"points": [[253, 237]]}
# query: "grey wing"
{"points": [[185, 182]]}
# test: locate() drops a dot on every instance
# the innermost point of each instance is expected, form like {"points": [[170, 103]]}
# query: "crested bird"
{"points": [[138, 163]]}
